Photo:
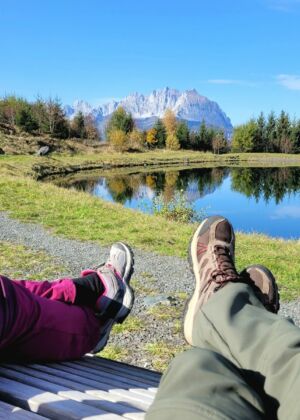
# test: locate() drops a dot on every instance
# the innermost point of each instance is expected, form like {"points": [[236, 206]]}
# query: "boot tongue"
{"points": [[227, 271], [223, 231]]}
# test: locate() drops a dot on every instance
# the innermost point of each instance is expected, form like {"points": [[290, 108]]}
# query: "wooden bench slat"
{"points": [[142, 379], [103, 403], [119, 366], [96, 375], [9, 412], [69, 381], [110, 386], [48, 404]]}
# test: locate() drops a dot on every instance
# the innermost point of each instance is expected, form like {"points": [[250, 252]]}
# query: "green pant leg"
{"points": [[202, 384], [235, 323]]}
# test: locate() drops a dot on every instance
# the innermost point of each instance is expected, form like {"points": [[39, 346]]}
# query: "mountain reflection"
{"points": [[259, 183]]}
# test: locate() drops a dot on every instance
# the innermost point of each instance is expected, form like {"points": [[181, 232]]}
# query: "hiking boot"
{"points": [[264, 285], [211, 257], [115, 303]]}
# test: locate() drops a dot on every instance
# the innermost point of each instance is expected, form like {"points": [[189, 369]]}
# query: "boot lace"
{"points": [[226, 271]]}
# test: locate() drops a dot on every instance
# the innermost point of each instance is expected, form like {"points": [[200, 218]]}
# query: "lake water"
{"points": [[254, 199]]}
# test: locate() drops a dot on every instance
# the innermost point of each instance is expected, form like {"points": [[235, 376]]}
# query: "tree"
{"points": [[271, 133], [205, 137], [219, 142], [243, 137], [183, 135], [261, 135], [283, 133], [161, 134], [78, 126], [151, 138], [25, 120], [118, 140], [172, 142], [136, 140], [296, 136], [57, 124], [170, 122], [120, 120], [91, 130]]}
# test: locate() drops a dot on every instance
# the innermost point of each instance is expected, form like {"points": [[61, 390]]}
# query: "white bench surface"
{"points": [[90, 388]]}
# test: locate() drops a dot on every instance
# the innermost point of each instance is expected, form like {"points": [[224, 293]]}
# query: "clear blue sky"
{"points": [[244, 54]]}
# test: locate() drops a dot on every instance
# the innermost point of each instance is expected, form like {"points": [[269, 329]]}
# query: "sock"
{"points": [[88, 289]]}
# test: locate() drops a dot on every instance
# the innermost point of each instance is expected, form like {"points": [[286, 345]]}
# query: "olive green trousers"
{"points": [[245, 364]]}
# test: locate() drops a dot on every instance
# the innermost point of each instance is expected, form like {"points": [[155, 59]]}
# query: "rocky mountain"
{"points": [[188, 105]]}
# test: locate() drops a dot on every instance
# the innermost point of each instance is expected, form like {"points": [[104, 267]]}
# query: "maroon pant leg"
{"points": [[37, 324]]}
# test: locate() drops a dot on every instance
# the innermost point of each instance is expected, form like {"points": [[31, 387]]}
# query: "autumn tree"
{"points": [[151, 137], [219, 142], [91, 130], [136, 140], [170, 122], [118, 140], [172, 142]]}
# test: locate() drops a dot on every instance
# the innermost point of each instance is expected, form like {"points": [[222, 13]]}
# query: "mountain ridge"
{"points": [[187, 105]]}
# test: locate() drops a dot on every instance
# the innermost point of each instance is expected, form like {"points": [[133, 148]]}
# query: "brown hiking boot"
{"points": [[264, 285], [211, 255]]}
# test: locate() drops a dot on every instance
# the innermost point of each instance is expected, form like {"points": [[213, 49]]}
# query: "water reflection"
{"points": [[253, 198]]}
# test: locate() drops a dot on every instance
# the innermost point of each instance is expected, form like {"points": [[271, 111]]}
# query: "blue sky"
{"points": [[244, 54]]}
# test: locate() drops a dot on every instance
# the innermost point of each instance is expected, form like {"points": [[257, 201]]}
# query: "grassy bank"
{"points": [[61, 164], [80, 216]]}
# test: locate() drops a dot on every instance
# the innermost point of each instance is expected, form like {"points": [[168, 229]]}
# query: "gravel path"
{"points": [[157, 279]]}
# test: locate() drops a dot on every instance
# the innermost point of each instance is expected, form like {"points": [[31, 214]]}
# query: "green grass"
{"points": [[162, 353], [17, 261], [80, 216], [132, 324], [164, 312], [113, 352]]}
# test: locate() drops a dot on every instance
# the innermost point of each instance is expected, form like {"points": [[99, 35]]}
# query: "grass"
{"points": [[132, 324], [162, 353], [17, 261], [113, 352], [164, 312]]}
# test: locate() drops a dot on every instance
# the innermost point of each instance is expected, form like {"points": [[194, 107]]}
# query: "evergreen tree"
{"points": [[283, 133], [25, 120], [271, 133], [78, 126], [296, 136], [120, 120], [161, 133], [260, 141], [183, 134]]}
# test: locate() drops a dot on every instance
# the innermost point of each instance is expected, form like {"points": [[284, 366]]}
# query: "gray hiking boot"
{"points": [[211, 257], [115, 304], [264, 285]]}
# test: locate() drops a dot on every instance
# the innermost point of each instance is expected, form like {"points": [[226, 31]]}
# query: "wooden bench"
{"points": [[90, 388]]}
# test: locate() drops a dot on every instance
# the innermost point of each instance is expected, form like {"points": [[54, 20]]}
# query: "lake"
{"points": [[265, 200]]}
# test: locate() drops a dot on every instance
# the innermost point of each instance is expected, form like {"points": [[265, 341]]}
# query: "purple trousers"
{"points": [[38, 321]]}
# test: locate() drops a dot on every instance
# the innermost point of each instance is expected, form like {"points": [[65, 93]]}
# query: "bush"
{"points": [[118, 140], [178, 209]]}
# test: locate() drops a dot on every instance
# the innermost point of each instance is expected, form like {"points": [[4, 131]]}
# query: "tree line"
{"points": [[270, 135], [167, 133], [44, 117]]}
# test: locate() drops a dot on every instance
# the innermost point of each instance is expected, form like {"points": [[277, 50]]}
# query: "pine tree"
{"points": [[183, 135], [78, 126], [271, 133], [283, 133], [261, 137], [161, 134]]}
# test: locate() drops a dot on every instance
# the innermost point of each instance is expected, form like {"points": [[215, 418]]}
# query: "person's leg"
{"points": [[202, 384], [36, 328], [236, 324], [69, 317]]}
